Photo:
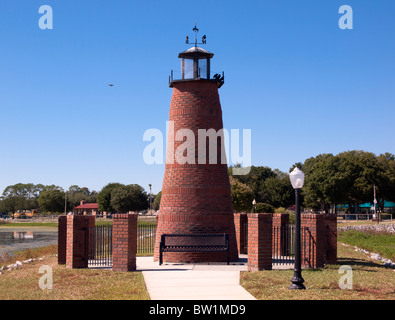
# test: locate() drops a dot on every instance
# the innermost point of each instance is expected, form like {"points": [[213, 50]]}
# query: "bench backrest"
{"points": [[216, 239]]}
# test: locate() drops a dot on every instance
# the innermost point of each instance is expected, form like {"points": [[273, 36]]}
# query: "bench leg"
{"points": [[160, 257]]}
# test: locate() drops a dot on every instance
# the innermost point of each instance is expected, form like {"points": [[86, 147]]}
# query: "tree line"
{"points": [[46, 198], [346, 178], [117, 197], [114, 197], [270, 188]]}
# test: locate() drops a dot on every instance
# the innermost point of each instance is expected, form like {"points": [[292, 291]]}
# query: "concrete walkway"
{"points": [[172, 281]]}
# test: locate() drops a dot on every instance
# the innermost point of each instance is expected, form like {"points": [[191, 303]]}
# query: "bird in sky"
{"points": [[110, 85]]}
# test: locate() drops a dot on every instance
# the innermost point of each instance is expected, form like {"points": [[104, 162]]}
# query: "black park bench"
{"points": [[199, 242]]}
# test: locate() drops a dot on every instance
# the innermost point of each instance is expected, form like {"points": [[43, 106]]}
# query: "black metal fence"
{"points": [[100, 246], [309, 246], [99, 240], [283, 244], [146, 232], [245, 240]]}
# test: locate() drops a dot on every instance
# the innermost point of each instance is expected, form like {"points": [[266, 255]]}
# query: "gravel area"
{"points": [[388, 227]]}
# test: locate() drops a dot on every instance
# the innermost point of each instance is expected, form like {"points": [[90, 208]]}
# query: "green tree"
{"points": [[76, 194], [242, 195], [51, 200], [156, 203], [386, 187], [104, 197], [269, 186], [324, 183], [348, 177], [12, 204], [129, 198], [26, 190], [277, 190], [21, 196], [360, 171], [18, 190], [254, 179], [52, 187], [264, 208]]}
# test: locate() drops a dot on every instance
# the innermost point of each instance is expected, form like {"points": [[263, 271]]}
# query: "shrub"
{"points": [[280, 210], [242, 195], [264, 208]]}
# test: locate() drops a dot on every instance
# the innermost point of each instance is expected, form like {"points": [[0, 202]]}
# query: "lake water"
{"points": [[17, 239]]}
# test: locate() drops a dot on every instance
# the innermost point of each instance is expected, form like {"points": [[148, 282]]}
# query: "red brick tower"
{"points": [[196, 195]]}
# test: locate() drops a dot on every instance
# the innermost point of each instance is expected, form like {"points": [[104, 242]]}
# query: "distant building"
{"points": [[87, 209]]}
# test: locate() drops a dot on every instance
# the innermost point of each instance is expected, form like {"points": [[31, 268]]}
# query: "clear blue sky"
{"points": [[299, 82]]}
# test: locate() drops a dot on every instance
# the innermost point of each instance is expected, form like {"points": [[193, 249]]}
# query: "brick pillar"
{"points": [[62, 237], [124, 242], [240, 221], [312, 240], [77, 241], [280, 233], [259, 241], [331, 238]]}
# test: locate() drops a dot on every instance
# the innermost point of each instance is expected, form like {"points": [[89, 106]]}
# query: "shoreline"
{"points": [[22, 228]]}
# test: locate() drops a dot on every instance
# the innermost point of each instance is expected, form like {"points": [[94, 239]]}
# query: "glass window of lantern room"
{"points": [[188, 69], [203, 68]]}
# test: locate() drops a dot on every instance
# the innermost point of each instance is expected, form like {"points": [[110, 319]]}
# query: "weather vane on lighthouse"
{"points": [[196, 30]]}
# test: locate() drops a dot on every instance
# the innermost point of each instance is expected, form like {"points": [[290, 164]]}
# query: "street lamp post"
{"points": [[65, 203], [254, 205], [297, 180], [150, 185]]}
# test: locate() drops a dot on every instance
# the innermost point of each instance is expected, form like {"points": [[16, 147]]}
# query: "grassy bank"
{"points": [[55, 223], [6, 259], [373, 241], [29, 224], [68, 284], [371, 281]]}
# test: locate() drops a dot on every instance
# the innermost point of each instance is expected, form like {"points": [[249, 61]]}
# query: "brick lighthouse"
{"points": [[196, 196]]}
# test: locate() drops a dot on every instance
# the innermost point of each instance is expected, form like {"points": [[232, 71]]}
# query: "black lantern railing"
{"points": [[218, 77]]}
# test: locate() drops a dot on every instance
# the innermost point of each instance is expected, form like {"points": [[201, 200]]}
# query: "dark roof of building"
{"points": [[195, 50], [87, 206]]}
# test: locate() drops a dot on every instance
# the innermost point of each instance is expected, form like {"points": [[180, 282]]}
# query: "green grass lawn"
{"points": [[68, 284], [55, 224], [371, 281], [29, 224]]}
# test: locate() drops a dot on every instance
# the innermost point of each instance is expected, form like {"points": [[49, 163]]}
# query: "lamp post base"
{"points": [[295, 286], [297, 283]]}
